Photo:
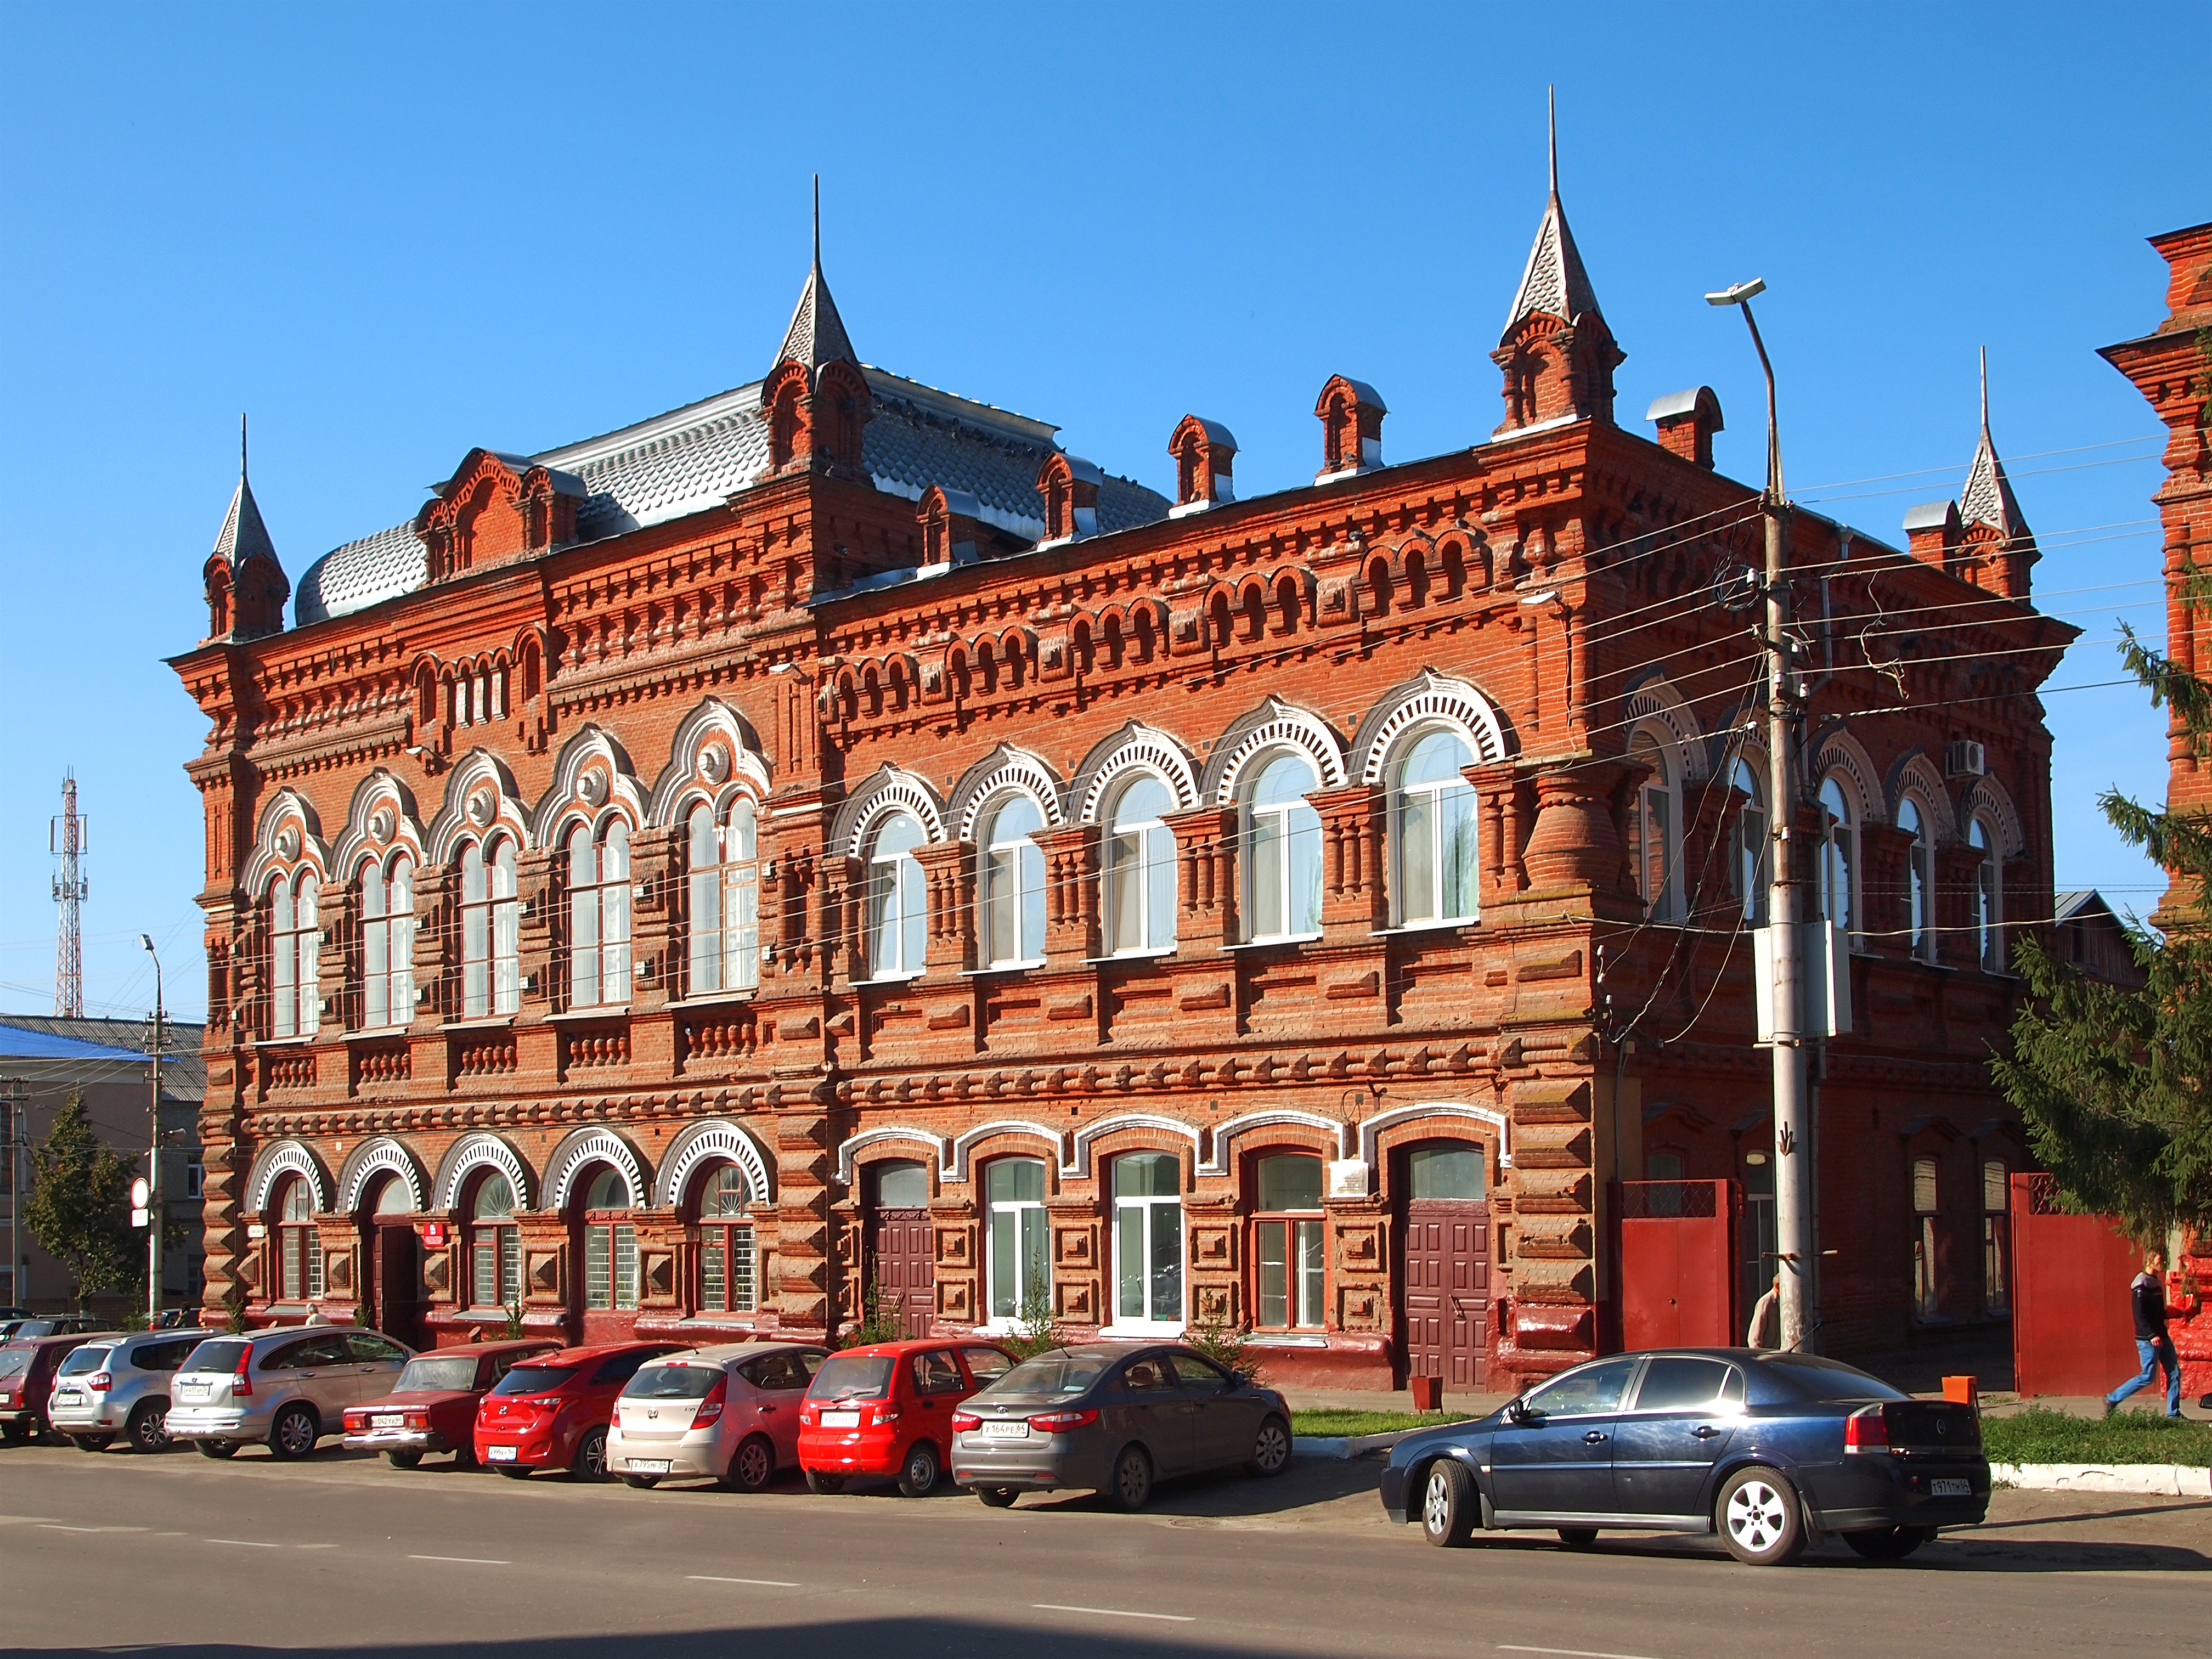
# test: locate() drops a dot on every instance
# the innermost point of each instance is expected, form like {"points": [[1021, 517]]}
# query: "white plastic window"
{"points": [[724, 952], [1748, 864], [1433, 830], [491, 978], [296, 940], [599, 915], [387, 942], [1011, 895], [895, 906], [1140, 868], [1282, 847], [1653, 828], [1920, 880], [1840, 855]]}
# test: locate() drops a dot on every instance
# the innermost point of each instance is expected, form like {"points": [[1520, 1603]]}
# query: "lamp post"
{"points": [[154, 1157], [1785, 719]]}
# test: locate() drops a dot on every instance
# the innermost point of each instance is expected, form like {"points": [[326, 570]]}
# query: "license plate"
{"points": [[66, 1396], [840, 1419], [1950, 1489], [1001, 1428], [498, 1454], [194, 1390], [648, 1465], [393, 1420]]}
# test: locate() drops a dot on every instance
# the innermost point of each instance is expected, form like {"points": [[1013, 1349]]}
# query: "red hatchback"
{"points": [[432, 1407], [552, 1412], [885, 1412]]}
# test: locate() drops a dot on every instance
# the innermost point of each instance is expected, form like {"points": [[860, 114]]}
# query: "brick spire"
{"points": [[817, 335]]}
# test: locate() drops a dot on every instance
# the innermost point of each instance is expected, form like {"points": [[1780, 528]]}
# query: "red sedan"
{"points": [[885, 1412], [432, 1405], [551, 1411]]}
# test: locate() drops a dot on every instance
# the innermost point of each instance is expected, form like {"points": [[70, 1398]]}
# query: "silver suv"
{"points": [[120, 1385], [288, 1388]]}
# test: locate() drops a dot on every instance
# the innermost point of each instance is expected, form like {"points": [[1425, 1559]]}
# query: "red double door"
{"points": [[1444, 1280], [902, 1265]]}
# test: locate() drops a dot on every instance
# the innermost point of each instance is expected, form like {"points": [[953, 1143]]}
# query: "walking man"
{"points": [[2152, 1345]]}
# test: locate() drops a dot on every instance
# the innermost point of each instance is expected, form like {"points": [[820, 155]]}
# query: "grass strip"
{"points": [[2039, 1435], [1333, 1421]]}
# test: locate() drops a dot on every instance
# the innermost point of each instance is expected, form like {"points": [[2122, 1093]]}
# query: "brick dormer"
{"points": [[1351, 415], [1687, 422], [497, 507], [1205, 452], [951, 527], [1069, 485]]}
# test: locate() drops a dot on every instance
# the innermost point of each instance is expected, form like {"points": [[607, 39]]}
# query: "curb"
{"points": [[2162, 1479], [1355, 1445]]}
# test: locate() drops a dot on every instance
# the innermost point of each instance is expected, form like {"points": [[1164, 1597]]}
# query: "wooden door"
{"points": [[396, 1289], [1444, 1276], [902, 1262]]}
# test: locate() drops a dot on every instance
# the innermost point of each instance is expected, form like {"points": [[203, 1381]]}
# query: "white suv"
{"points": [[288, 1388]]}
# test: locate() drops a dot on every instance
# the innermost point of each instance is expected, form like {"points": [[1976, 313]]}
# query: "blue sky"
{"points": [[392, 233]]}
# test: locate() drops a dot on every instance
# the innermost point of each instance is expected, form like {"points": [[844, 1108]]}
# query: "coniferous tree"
{"points": [[79, 1208]]}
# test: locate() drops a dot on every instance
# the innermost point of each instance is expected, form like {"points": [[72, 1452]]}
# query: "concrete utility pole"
{"points": [[17, 1141], [1785, 719], [154, 1159]]}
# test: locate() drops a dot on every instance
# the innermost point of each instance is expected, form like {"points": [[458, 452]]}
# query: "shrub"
{"points": [[877, 1322], [1038, 1330], [1228, 1347]]}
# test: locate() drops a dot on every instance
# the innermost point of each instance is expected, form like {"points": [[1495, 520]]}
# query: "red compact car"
{"points": [[885, 1412], [551, 1411], [432, 1407]]}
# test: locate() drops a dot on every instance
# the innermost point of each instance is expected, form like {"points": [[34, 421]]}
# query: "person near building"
{"points": [[2152, 1345]]}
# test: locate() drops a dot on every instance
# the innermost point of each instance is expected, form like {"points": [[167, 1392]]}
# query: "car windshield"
{"points": [[1812, 1377], [83, 1361], [221, 1354], [674, 1381], [534, 1379], [448, 1371], [1055, 1375], [853, 1377], [13, 1361]]}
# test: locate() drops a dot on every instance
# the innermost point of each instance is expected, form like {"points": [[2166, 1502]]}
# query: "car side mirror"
{"points": [[1517, 1413]]}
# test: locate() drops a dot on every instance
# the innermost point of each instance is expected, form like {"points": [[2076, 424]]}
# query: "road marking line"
{"points": [[56, 1526], [242, 1543], [1116, 1613], [1568, 1653], [314, 1546], [462, 1560], [773, 1584]]}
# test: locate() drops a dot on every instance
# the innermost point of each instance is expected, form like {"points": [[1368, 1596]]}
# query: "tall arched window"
{"points": [[610, 1244], [495, 1244], [1011, 895], [1286, 1244], [1748, 863], [1920, 880], [1996, 1236], [1020, 1268], [1652, 828], [1148, 1241], [298, 1247], [387, 943], [1989, 896], [728, 1266], [725, 893], [1140, 868], [1282, 844], [895, 903], [1926, 1211], [1840, 853], [491, 978], [1432, 830], [599, 915], [295, 941]]}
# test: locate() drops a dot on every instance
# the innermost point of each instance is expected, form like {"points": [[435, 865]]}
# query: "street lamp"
{"points": [[1794, 1195], [154, 1159]]}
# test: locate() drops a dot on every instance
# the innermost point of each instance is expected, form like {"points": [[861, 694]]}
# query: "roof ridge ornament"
{"points": [[1988, 497], [1553, 283], [817, 335]]}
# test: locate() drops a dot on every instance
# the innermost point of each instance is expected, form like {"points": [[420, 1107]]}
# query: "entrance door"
{"points": [[902, 1245], [1445, 1266], [396, 1290]]}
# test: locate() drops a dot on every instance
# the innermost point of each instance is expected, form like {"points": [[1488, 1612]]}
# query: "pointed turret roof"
{"points": [[817, 335], [1554, 281], [243, 533], [1988, 497]]}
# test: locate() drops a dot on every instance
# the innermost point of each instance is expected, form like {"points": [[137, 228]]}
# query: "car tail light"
{"points": [[1061, 1422], [241, 1385], [963, 1421], [710, 1408], [1866, 1431], [100, 1382], [887, 1413], [418, 1419]]}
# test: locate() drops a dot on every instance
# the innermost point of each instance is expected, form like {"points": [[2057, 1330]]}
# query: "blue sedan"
{"points": [[1771, 1450]]}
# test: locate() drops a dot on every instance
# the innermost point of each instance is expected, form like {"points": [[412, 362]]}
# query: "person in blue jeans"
{"points": [[2152, 1345]]}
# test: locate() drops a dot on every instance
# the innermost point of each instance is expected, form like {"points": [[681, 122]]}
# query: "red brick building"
{"points": [[828, 836]]}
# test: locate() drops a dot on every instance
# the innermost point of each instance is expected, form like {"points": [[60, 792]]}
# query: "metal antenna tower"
{"points": [[67, 837]]}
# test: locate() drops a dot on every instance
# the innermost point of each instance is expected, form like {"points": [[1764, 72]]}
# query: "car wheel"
{"points": [[1133, 1479], [641, 1482], [513, 1471], [1889, 1543], [1271, 1450], [294, 1433], [752, 1466], [147, 1430], [917, 1477], [590, 1462], [1578, 1538], [1448, 1504], [403, 1459], [828, 1484], [997, 1497], [92, 1442], [14, 1434], [215, 1448], [1757, 1517]]}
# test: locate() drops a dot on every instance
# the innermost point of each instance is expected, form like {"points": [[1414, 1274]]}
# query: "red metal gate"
{"points": [[2073, 1330], [1678, 1263]]}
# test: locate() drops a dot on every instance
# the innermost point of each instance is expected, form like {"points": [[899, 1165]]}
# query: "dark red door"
{"points": [[1445, 1276], [396, 1284], [902, 1258]]}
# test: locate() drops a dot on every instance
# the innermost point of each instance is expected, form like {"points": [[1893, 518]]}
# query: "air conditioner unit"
{"points": [[1965, 759]]}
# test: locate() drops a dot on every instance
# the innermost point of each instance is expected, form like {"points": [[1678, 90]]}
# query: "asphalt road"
{"points": [[117, 1552]]}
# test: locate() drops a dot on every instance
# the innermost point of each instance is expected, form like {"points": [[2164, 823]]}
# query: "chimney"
{"points": [[1204, 452], [1932, 532], [1069, 485], [1687, 423], [1351, 414]]}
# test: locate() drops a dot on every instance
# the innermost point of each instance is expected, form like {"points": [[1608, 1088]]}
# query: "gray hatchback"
{"points": [[1114, 1418]]}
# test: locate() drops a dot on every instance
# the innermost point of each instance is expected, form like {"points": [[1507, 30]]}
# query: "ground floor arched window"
{"points": [[1019, 1261], [1288, 1280], [1148, 1241], [728, 1257]]}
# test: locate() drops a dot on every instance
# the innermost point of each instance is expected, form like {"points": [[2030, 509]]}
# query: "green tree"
{"points": [[79, 1209]]}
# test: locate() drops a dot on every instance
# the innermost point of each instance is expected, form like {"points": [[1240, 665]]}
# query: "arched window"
{"points": [[1148, 1241], [599, 915], [295, 941], [1989, 896], [1432, 830], [895, 906], [392, 1197], [1652, 828], [495, 1244], [1282, 842], [1286, 1244], [1010, 898], [1996, 1237], [725, 893], [1021, 1274], [610, 1246], [387, 943], [1920, 880], [1840, 855], [491, 978], [1927, 1207], [1140, 868], [298, 1247], [728, 1266], [1748, 863]]}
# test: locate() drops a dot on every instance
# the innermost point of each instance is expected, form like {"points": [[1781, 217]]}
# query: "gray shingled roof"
{"points": [[1988, 497], [1554, 281], [243, 534]]}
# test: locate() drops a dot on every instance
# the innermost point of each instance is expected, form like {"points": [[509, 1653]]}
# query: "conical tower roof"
{"points": [[1554, 282], [243, 534], [817, 335], [1988, 497]]}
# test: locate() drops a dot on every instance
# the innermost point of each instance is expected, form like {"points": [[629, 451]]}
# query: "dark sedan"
{"points": [[1770, 1450]]}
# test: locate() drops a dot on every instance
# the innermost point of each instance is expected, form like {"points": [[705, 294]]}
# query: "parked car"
{"points": [[23, 1329], [26, 1379], [1764, 1448], [885, 1411], [287, 1386], [1116, 1419], [552, 1412], [433, 1404], [120, 1385], [728, 1414]]}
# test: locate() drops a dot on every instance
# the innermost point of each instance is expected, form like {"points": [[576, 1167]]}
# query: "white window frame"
{"points": [[1839, 846], [1440, 796], [387, 943], [1287, 822], [491, 921], [1147, 1324], [1142, 852], [1919, 878], [722, 933], [1009, 881], [898, 904], [1018, 1215], [1657, 790], [295, 939], [598, 906], [1753, 846], [1988, 895]]}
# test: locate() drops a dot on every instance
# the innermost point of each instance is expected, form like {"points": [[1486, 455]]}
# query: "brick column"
{"points": [[1206, 877], [1354, 896], [1885, 900], [948, 875], [1072, 897], [1500, 819], [805, 1285], [1574, 849]]}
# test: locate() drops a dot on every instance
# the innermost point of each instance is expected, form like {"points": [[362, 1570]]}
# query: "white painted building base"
{"points": [[2163, 1479]]}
